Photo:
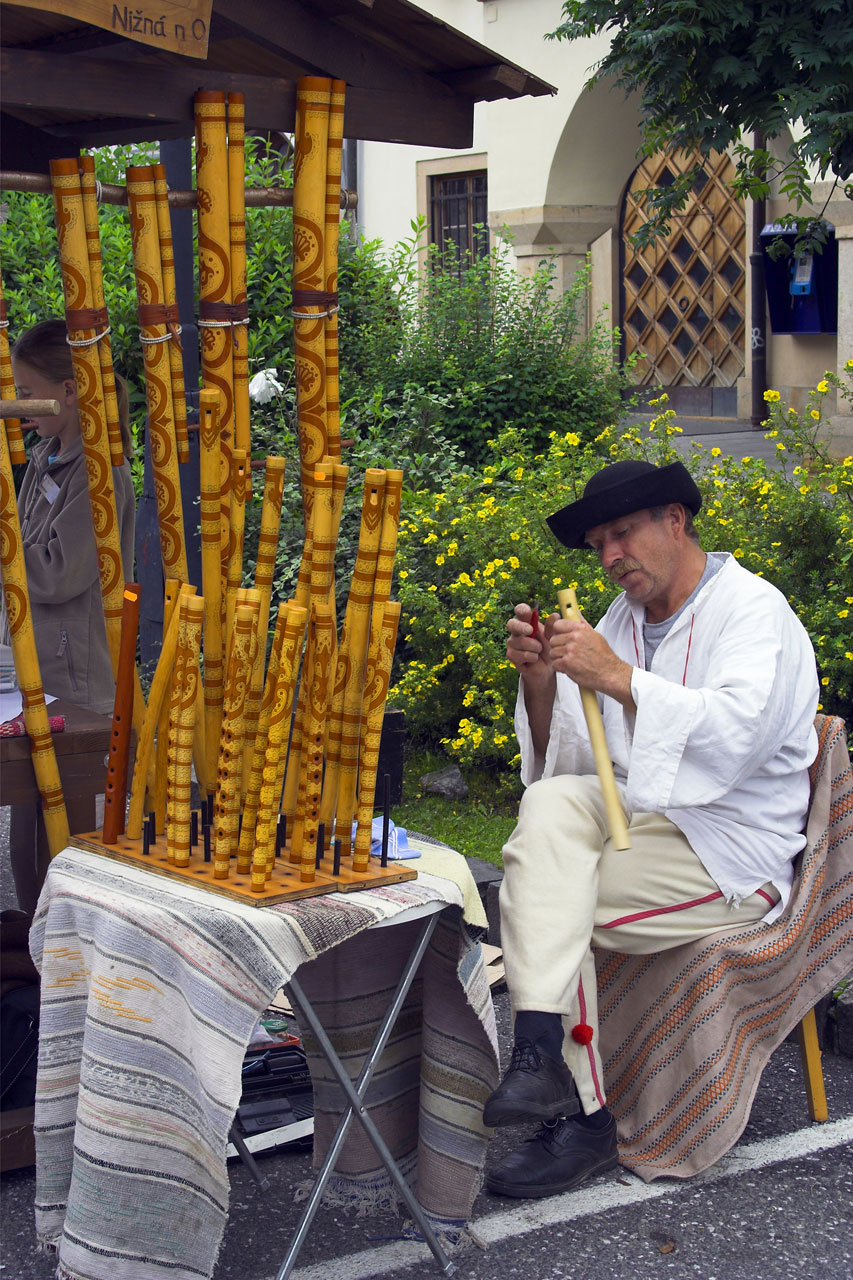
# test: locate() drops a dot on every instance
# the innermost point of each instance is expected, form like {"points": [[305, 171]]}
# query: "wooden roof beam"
{"points": [[290, 28], [488, 82], [159, 99]]}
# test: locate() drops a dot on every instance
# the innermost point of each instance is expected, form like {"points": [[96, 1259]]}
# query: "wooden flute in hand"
{"points": [[595, 726]]}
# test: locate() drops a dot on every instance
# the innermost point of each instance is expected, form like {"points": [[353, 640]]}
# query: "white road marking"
{"points": [[532, 1215]]}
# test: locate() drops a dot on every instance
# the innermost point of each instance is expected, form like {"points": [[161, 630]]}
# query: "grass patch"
{"points": [[477, 826]]}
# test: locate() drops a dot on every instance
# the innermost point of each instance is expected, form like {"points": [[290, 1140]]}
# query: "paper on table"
{"points": [[11, 704]]}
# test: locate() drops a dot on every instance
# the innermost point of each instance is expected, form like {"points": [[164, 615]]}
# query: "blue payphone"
{"points": [[802, 292]]}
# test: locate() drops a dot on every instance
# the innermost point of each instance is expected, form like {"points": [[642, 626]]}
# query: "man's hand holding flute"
{"points": [[569, 645]]}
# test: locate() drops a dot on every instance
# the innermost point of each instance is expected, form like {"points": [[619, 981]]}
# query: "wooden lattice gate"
{"points": [[683, 297]]}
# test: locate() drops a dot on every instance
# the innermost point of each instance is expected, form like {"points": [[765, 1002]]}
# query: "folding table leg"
{"points": [[355, 1094], [248, 1159]]}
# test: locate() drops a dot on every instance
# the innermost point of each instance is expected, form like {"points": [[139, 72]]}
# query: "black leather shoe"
{"points": [[562, 1154], [536, 1087]]}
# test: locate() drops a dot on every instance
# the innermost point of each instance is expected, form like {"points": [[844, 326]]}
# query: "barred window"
{"points": [[458, 209]]}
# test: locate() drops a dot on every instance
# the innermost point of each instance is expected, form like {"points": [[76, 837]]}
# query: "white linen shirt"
{"points": [[723, 732]]}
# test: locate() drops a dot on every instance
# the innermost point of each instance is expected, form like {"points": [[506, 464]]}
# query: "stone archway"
{"points": [[582, 178]]}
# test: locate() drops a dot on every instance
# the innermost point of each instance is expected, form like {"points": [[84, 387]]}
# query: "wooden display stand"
{"points": [[285, 884]]}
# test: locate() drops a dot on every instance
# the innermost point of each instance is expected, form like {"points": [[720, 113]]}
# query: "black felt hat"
{"points": [[618, 490]]}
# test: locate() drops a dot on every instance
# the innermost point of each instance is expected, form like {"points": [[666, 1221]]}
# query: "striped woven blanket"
{"points": [[682, 1077], [150, 992]]}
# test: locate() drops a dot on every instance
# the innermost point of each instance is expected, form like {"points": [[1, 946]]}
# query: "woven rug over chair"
{"points": [[686, 1033]]}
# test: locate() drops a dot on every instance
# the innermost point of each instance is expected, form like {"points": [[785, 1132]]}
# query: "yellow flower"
{"points": [[453, 635], [772, 396], [467, 622], [572, 438], [823, 387], [816, 414], [716, 453], [439, 559], [825, 681], [849, 656], [779, 445], [843, 613]]}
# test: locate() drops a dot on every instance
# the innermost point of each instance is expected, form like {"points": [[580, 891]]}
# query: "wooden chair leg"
{"points": [[812, 1069]]}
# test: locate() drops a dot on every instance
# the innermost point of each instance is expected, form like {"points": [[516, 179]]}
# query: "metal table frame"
{"points": [[355, 1094]]}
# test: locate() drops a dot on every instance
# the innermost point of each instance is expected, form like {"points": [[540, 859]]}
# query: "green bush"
{"points": [[473, 550], [493, 349]]}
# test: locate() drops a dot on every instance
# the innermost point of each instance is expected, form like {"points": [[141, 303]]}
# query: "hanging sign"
{"points": [[182, 26]]}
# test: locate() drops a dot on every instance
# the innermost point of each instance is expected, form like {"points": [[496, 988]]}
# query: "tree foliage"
{"points": [[707, 72]]}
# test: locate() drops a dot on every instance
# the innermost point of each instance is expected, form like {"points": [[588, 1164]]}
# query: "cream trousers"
{"points": [[566, 888]]}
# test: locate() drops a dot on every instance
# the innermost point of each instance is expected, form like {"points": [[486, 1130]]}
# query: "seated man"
{"points": [[708, 691]]}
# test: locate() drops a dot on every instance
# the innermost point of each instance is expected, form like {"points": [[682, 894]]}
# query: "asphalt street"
{"points": [[777, 1207]]}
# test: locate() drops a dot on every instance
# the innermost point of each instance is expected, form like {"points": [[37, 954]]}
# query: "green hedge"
{"points": [[471, 551]]}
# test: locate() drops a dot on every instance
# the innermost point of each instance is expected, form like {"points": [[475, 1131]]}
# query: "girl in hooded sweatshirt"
{"points": [[61, 555]]}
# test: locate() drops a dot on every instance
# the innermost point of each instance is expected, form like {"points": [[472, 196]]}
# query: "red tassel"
{"points": [[582, 1033]]}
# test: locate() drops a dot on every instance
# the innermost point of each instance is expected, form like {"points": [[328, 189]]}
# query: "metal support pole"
{"points": [[355, 1094], [758, 308]]}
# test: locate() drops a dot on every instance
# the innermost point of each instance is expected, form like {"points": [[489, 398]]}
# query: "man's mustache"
{"points": [[621, 567]]}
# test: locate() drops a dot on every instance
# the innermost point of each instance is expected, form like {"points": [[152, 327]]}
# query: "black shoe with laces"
{"points": [[561, 1155], [536, 1087]]}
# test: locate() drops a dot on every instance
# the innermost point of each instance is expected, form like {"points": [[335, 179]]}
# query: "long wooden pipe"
{"points": [[595, 726], [115, 797]]}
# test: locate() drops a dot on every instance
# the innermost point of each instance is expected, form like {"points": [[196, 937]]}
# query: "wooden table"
{"points": [[81, 754]]}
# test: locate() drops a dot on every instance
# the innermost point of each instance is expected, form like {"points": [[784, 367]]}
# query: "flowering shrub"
{"points": [[473, 550]]}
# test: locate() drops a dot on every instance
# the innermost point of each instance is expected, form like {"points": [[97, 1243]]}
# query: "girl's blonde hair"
{"points": [[45, 348]]}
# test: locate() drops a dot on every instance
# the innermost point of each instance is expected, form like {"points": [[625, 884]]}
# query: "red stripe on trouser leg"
{"points": [[662, 911], [589, 1049]]}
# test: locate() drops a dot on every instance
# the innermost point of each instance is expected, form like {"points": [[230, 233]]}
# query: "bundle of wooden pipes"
{"points": [[285, 748]]}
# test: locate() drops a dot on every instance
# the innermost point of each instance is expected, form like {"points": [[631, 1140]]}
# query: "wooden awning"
{"points": [[410, 78]]}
